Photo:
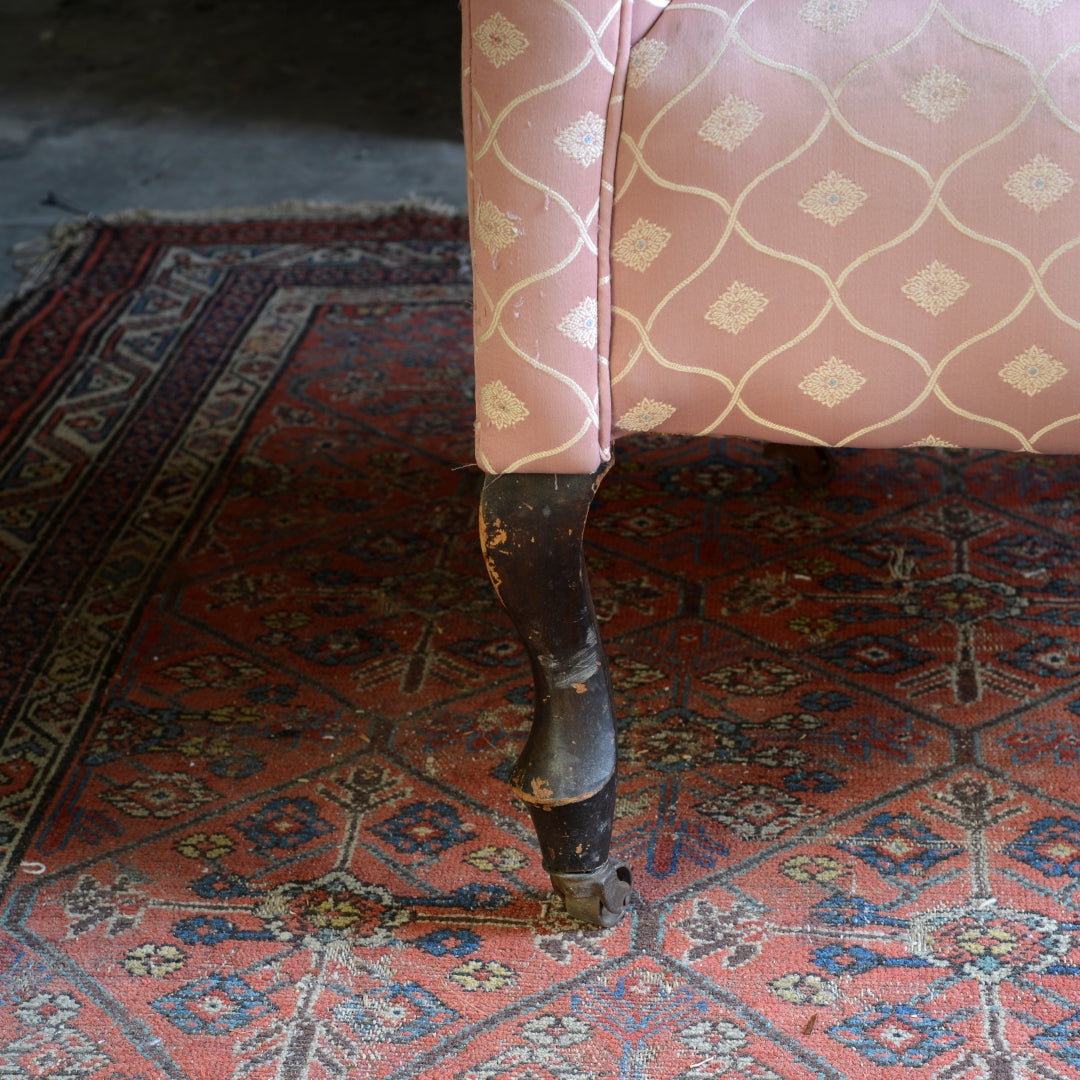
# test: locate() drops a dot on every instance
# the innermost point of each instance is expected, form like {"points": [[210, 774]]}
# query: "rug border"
{"points": [[39, 260], [80, 238]]}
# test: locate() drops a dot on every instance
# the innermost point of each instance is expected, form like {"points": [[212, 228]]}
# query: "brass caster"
{"points": [[600, 897]]}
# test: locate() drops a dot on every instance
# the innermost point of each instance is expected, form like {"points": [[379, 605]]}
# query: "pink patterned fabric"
{"points": [[842, 222]]}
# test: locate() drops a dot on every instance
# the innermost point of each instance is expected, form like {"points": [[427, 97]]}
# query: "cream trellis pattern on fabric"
{"points": [[890, 186], [848, 222]]}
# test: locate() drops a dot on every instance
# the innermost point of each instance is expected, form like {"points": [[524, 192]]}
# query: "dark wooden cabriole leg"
{"points": [[531, 528]]}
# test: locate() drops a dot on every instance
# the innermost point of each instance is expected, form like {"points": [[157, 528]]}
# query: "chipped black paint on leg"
{"points": [[531, 528]]}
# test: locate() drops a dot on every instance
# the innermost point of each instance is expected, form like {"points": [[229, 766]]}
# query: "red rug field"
{"points": [[258, 707]]}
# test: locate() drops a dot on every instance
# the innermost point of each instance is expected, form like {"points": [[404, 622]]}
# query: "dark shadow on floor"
{"points": [[386, 67]]}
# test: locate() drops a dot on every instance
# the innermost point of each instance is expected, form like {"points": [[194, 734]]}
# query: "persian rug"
{"points": [[259, 707]]}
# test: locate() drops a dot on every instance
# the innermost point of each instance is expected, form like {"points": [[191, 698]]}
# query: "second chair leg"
{"points": [[813, 466], [531, 528]]}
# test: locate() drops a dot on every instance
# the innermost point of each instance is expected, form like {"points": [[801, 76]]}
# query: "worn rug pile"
{"points": [[259, 706]]}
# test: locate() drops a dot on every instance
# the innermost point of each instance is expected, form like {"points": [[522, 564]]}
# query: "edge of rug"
{"points": [[285, 210], [37, 260]]}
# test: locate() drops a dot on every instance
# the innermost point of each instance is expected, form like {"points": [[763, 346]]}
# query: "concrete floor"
{"points": [[111, 105]]}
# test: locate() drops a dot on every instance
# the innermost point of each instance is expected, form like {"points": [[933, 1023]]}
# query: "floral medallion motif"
{"points": [[399, 1012], [756, 812], [731, 123], [935, 288], [831, 15], [423, 828], [160, 795], [216, 1005], [502, 859], [806, 989], [962, 599], [932, 440], [937, 94], [158, 961], [661, 1005], [832, 383], [284, 824], [676, 740], [119, 906], [583, 140], [205, 846], [215, 672], [1037, 7], [900, 845], [645, 415], [500, 405], [542, 1052], [494, 228], [897, 1035], [46, 1010], [43, 1040], [582, 324], [1054, 738], [833, 199], [1051, 846], [478, 976], [334, 913], [640, 245], [820, 869], [1039, 184], [1032, 371], [500, 40], [754, 678], [645, 57], [990, 944], [736, 308]]}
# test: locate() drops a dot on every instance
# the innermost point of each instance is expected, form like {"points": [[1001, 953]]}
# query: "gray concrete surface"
{"points": [[112, 105]]}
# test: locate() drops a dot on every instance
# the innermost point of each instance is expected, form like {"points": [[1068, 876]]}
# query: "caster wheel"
{"points": [[600, 898]]}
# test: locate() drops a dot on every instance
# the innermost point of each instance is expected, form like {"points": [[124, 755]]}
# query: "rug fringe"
{"points": [[286, 210], [37, 260]]}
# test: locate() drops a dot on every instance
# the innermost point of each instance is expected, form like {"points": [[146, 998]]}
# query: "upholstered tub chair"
{"points": [[825, 223]]}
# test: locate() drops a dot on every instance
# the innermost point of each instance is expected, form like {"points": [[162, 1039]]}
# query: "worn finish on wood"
{"points": [[531, 528]]}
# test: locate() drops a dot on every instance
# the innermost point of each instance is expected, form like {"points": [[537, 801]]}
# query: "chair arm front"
{"points": [[538, 78]]}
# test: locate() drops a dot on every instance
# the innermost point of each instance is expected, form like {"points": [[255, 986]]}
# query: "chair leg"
{"points": [[531, 528]]}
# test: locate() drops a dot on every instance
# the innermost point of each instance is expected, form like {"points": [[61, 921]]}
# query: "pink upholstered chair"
{"points": [[815, 222]]}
